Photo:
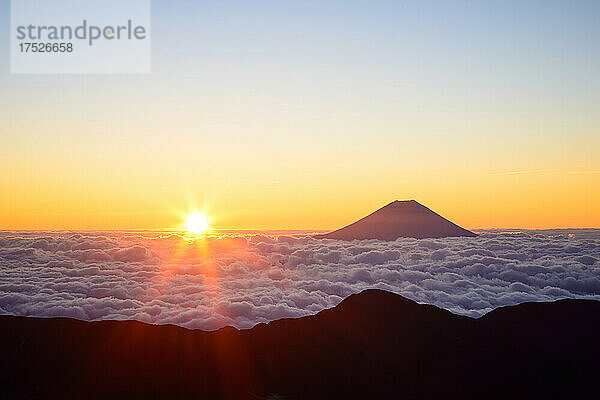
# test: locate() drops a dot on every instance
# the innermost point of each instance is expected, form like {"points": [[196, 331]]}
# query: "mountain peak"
{"points": [[400, 218], [405, 204]]}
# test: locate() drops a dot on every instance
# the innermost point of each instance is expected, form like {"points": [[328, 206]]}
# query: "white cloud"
{"points": [[242, 280]]}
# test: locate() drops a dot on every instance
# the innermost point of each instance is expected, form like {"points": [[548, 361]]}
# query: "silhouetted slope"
{"points": [[399, 219], [372, 345]]}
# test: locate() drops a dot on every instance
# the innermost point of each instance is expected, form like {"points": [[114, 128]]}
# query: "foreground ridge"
{"points": [[372, 344]]}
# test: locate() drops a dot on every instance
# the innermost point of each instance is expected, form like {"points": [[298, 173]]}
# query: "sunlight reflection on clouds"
{"points": [[242, 279]]}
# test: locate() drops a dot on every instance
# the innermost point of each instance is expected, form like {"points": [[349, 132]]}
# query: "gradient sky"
{"points": [[278, 114]]}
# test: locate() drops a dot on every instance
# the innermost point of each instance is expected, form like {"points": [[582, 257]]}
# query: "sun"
{"points": [[197, 223]]}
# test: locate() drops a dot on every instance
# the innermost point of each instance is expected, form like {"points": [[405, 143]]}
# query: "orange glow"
{"points": [[311, 135]]}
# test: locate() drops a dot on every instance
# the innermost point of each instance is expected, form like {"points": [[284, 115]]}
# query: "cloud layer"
{"points": [[243, 279]]}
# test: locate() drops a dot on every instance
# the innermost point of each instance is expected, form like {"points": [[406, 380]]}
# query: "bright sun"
{"points": [[196, 223]]}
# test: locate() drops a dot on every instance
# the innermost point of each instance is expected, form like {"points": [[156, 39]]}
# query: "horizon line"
{"points": [[255, 229]]}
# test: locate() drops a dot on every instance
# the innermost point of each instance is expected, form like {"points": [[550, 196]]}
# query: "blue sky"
{"points": [[406, 96]]}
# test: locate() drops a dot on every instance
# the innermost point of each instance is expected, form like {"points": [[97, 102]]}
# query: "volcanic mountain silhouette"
{"points": [[374, 344], [399, 219]]}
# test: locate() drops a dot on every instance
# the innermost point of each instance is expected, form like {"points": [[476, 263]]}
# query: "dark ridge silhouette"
{"points": [[372, 345], [399, 219]]}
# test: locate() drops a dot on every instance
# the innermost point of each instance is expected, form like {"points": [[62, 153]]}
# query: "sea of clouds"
{"points": [[241, 279]]}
